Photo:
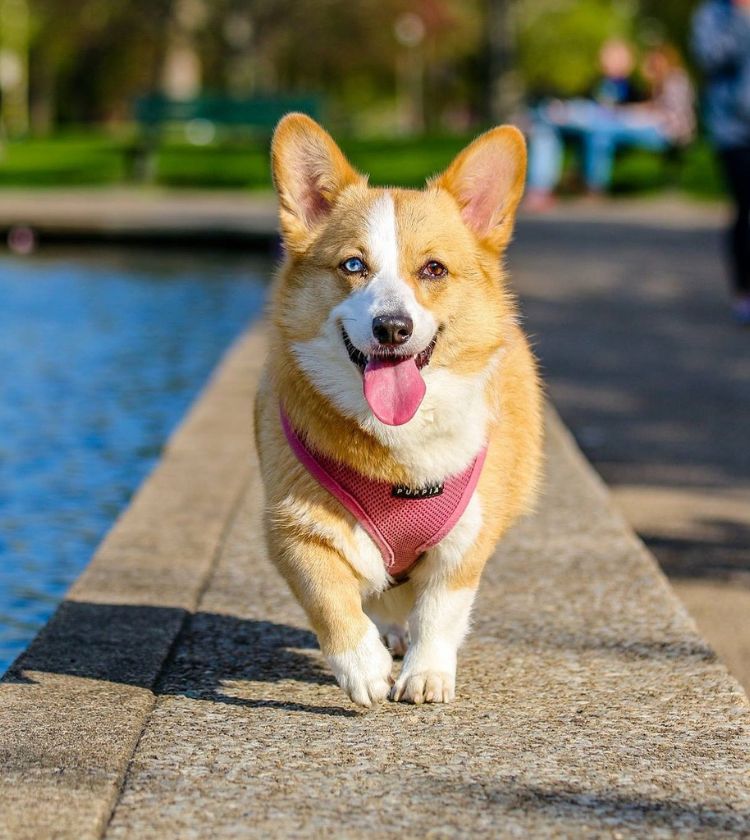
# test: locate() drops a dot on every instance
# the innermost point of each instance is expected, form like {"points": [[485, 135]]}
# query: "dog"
{"points": [[399, 416]]}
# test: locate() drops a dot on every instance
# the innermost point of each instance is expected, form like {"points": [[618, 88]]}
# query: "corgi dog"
{"points": [[399, 417]]}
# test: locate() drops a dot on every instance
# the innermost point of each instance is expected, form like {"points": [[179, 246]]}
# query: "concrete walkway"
{"points": [[629, 312], [627, 302], [152, 213], [139, 213], [179, 693]]}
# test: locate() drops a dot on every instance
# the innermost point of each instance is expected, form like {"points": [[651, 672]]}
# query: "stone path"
{"points": [[150, 214], [178, 692], [630, 317]]}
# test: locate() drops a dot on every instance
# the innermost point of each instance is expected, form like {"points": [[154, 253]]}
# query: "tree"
{"points": [[502, 81], [559, 40], [14, 67], [669, 19], [89, 58]]}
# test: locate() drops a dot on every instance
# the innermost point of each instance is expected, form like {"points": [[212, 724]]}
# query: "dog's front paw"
{"points": [[424, 687], [364, 672]]}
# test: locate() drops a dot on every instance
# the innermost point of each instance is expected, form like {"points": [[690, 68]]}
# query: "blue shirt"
{"points": [[721, 40], [611, 91]]}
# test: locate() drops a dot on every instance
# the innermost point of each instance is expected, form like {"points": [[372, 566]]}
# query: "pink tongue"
{"points": [[394, 389]]}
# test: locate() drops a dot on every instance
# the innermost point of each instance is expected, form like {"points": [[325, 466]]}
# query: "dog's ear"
{"points": [[487, 180], [309, 172]]}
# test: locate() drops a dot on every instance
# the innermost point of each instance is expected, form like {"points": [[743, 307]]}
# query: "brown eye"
{"points": [[433, 270]]}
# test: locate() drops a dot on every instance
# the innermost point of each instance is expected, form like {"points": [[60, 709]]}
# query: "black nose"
{"points": [[392, 329]]}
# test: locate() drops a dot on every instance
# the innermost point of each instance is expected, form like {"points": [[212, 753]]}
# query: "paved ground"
{"points": [[627, 302], [179, 693], [182, 216], [153, 212], [630, 318]]}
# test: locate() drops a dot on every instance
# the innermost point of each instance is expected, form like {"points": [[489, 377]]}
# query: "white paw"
{"points": [[364, 672], [424, 687], [395, 638]]}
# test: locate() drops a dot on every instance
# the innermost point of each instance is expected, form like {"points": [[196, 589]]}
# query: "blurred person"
{"points": [[721, 39], [665, 120], [671, 107], [617, 64]]}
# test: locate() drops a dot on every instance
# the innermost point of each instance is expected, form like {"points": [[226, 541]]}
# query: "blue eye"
{"points": [[354, 265]]}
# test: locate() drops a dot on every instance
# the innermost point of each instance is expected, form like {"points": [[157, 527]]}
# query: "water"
{"points": [[100, 356]]}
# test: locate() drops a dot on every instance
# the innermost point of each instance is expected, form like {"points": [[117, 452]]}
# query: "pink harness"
{"points": [[402, 521]]}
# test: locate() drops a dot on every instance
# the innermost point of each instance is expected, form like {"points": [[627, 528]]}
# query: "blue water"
{"points": [[100, 356]]}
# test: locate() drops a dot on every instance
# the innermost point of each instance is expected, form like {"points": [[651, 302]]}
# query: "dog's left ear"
{"points": [[487, 180]]}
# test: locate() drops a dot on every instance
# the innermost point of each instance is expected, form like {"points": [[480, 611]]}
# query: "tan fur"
{"points": [[464, 219]]}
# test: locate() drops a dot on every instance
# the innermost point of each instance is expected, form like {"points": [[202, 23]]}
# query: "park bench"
{"points": [[202, 118]]}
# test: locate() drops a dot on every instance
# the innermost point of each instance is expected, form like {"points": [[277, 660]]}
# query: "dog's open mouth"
{"points": [[360, 360], [393, 385]]}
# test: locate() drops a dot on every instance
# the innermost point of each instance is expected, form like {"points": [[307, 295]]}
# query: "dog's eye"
{"points": [[354, 265], [433, 270]]}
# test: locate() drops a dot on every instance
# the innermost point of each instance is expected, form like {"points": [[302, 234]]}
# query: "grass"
{"points": [[90, 159], [399, 162], [65, 160], [693, 170]]}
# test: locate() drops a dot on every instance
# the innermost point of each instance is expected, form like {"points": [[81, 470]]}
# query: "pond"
{"points": [[101, 354]]}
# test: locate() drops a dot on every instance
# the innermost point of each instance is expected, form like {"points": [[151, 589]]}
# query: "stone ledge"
{"points": [[73, 706], [143, 214], [185, 215], [177, 691]]}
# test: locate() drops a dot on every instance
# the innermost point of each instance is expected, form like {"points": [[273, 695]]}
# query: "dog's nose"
{"points": [[392, 329]]}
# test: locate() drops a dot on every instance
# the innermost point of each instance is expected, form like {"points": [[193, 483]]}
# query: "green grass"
{"points": [[217, 167], [400, 162], [92, 159], [89, 159], [403, 162], [66, 160], [693, 170]]}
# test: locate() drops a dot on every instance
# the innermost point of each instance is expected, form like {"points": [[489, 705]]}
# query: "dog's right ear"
{"points": [[309, 172]]}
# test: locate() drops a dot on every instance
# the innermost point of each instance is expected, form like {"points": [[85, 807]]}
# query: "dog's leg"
{"points": [[445, 583], [390, 610], [329, 591], [437, 625], [363, 667]]}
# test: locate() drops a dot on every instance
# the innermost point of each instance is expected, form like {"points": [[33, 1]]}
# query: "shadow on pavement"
{"points": [[686, 556], [129, 644], [623, 811], [221, 657]]}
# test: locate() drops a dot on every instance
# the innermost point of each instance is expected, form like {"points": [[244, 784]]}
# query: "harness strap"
{"points": [[403, 522]]}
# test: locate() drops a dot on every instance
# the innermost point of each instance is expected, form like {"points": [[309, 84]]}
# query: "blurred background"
{"points": [[82, 83], [138, 237]]}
